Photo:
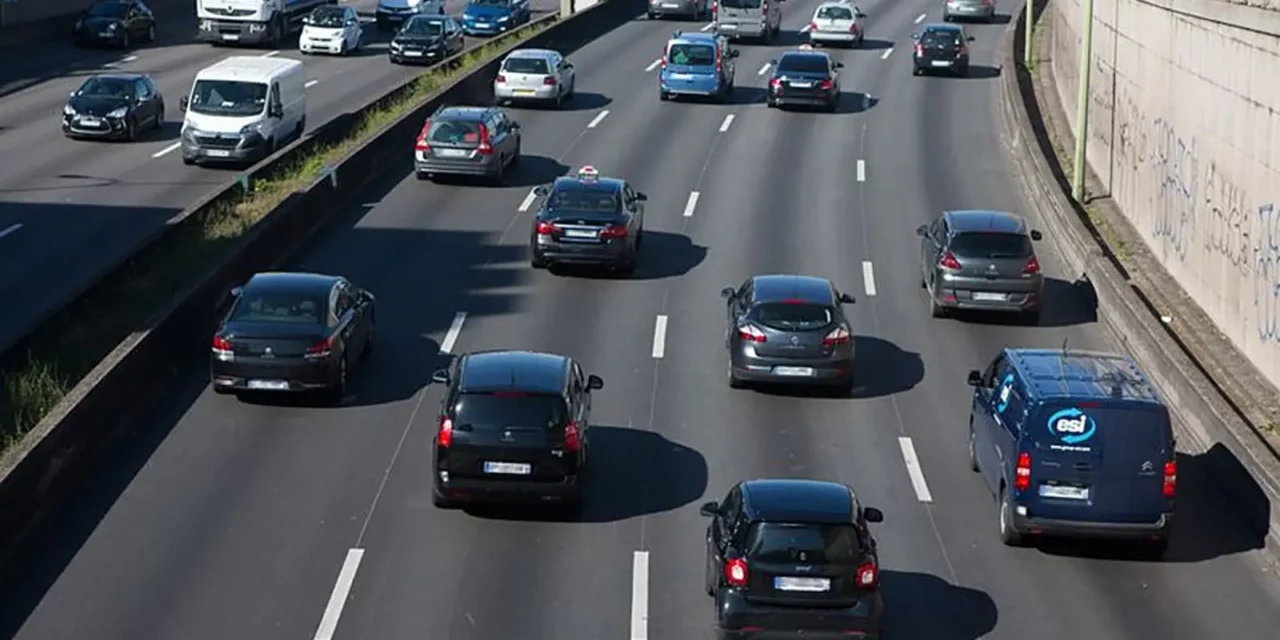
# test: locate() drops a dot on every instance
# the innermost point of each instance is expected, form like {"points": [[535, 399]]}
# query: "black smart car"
{"points": [[793, 557], [118, 23], [805, 78], [941, 47], [588, 220], [292, 332], [514, 427], [115, 106]]}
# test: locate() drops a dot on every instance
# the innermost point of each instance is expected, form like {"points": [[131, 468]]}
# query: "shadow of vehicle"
{"points": [[631, 473], [881, 368], [921, 605], [1221, 510], [997, 19], [850, 102], [581, 101], [980, 72], [873, 44], [1065, 304], [168, 131], [664, 255], [741, 95]]}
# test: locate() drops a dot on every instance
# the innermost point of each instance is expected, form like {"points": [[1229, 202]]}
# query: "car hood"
{"points": [[416, 40], [96, 106], [481, 11], [99, 23]]}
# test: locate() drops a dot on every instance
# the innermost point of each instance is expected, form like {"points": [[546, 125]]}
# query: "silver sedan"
{"points": [[534, 75]]}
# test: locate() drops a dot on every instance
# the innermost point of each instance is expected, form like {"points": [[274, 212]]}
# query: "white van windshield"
{"points": [[228, 98]]}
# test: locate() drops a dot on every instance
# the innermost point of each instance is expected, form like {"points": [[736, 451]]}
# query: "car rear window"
{"points": [[741, 4], [804, 63], [454, 131], [280, 307], [510, 409], [780, 543], [692, 54], [835, 13], [787, 316], [525, 65], [991, 245], [939, 37], [586, 200], [1123, 437]]}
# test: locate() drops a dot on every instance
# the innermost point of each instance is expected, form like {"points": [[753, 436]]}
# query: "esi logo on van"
{"points": [[1072, 426]]}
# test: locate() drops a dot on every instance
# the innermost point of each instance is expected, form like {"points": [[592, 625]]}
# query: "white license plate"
{"points": [[793, 371], [802, 85], [941, 63], [509, 468], [670, 5], [90, 121], [217, 153], [482, 25], [579, 233], [808, 585], [452, 153], [524, 92], [1067, 493], [681, 76], [273, 385], [985, 296], [107, 34], [413, 54], [231, 36]]}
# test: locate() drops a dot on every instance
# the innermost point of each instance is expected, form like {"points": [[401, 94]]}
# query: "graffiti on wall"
{"points": [[1226, 221], [1266, 280], [1176, 164]]}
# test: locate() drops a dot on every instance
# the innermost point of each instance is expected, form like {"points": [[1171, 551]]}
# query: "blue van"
{"points": [[697, 64], [1073, 443]]}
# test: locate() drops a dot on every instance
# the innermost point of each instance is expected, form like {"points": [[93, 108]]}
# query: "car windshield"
{"points": [[327, 17], [788, 316], [509, 409], [741, 4], [698, 55], [537, 66], [279, 306], [460, 132], [803, 63], [991, 245], [940, 38], [228, 98], [779, 543], [588, 200], [106, 88], [835, 13], [423, 27], [109, 10]]}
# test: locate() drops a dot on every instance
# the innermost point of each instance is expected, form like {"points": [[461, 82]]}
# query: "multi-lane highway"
{"points": [[73, 208], [224, 519]]}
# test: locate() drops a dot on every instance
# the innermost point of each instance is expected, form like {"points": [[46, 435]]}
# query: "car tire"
{"points": [[936, 310], [131, 129], [663, 95], [370, 341], [845, 386], [124, 41], [515, 159], [1008, 535], [151, 33], [188, 161], [422, 176], [627, 268], [338, 390], [973, 448], [538, 262], [1155, 549], [709, 584], [734, 381], [771, 104], [651, 15], [915, 71], [499, 176], [224, 391]]}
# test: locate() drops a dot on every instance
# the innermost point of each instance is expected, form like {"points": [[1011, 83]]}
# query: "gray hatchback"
{"points": [[980, 261]]}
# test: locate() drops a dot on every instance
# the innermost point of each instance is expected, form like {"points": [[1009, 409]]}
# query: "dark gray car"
{"points": [[788, 329], [980, 261], [467, 141]]}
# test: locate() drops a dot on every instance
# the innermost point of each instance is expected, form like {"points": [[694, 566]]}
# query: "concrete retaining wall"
{"points": [[1184, 133]]}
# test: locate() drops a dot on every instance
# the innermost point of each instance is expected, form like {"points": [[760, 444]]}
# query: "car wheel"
{"points": [[771, 104], [640, 239], [500, 174], [663, 95], [915, 71], [151, 33], [338, 390], [369, 340], [124, 41], [627, 268], [159, 120], [1008, 535], [651, 15], [708, 582], [537, 262], [973, 448], [515, 159], [224, 391], [188, 161], [131, 129], [1155, 549], [936, 310], [734, 381]]}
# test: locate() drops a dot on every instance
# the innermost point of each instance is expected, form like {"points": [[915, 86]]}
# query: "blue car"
{"points": [[697, 64], [494, 17]]}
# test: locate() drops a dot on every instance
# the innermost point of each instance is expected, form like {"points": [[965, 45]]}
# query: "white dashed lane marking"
{"points": [[763, 70], [310, 83], [728, 120], [451, 336], [338, 599], [691, 204], [914, 470], [595, 122], [270, 54], [868, 278], [660, 337], [862, 167], [169, 149], [10, 229], [653, 65], [528, 201], [640, 595], [920, 18], [887, 52]]}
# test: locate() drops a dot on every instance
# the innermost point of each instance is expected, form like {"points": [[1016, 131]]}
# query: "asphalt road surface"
{"points": [[71, 209], [227, 519]]}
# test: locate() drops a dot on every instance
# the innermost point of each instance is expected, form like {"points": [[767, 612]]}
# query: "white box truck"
{"points": [[252, 22]]}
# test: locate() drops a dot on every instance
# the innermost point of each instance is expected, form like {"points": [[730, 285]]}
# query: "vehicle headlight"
{"points": [[113, 26], [119, 113], [250, 130], [68, 110], [503, 18], [395, 46]]}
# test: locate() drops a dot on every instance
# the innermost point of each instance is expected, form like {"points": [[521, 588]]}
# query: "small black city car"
{"points": [[292, 332], [792, 557], [805, 78], [113, 106], [588, 220], [118, 23], [514, 427], [941, 47]]}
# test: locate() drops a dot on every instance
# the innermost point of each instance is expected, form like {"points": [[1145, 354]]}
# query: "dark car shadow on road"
{"points": [[980, 72], [581, 101], [1065, 303], [997, 19], [881, 368], [921, 605], [1221, 510], [664, 255], [872, 44], [168, 131], [631, 472]]}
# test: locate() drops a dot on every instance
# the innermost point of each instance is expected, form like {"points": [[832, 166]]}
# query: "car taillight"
{"points": [[501, 79], [546, 228], [868, 575], [1022, 472], [444, 437], [839, 335], [813, 26], [221, 346], [715, 9], [421, 144], [961, 50], [485, 147], [764, 11], [1171, 478], [826, 85], [666, 51], [719, 64], [919, 49], [949, 262], [1033, 266], [614, 231], [735, 572], [751, 334], [988, 3], [321, 349], [572, 437], [776, 83], [853, 28], [550, 81]]}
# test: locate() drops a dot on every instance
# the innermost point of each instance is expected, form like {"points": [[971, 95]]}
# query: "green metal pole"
{"points": [[1026, 35], [1082, 105]]}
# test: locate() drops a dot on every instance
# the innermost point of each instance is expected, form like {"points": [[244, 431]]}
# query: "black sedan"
{"points": [[292, 332], [117, 23], [805, 78], [113, 106], [588, 220], [426, 40]]}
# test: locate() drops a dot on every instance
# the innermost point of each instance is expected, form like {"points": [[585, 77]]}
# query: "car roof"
{"points": [[961, 221], [531, 371], [776, 288], [611, 185], [836, 3], [318, 283], [797, 500], [1056, 374], [120, 75], [694, 38], [532, 53], [424, 17], [462, 112]]}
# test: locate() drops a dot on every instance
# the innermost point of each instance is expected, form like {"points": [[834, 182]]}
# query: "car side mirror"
{"points": [[440, 376], [974, 379], [862, 15], [773, 63], [709, 509], [642, 197], [846, 299], [1036, 235], [72, 94], [515, 126], [972, 39], [922, 231], [595, 382], [182, 103], [276, 111], [915, 36], [872, 515], [541, 190], [728, 293]]}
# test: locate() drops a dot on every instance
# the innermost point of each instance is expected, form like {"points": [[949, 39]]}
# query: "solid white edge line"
{"points": [[862, 171], [168, 149], [660, 337], [728, 120], [691, 204], [129, 59], [887, 52], [270, 54], [763, 70], [640, 596], [12, 228], [914, 470], [595, 122], [451, 336], [310, 83], [653, 65], [708, 26], [868, 277], [528, 201], [920, 18], [338, 599]]}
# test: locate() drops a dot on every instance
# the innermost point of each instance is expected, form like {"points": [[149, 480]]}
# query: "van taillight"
{"points": [[1022, 473], [1171, 478], [572, 437], [422, 144], [868, 575], [485, 147], [735, 572], [445, 436], [501, 79], [715, 10]]}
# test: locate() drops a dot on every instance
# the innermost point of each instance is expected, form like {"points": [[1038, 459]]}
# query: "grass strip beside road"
{"points": [[69, 346]]}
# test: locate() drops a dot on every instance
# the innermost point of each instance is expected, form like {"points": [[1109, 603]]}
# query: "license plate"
{"points": [[231, 36], [93, 122], [524, 92], [1068, 493], [941, 63], [452, 153], [217, 153], [413, 54], [681, 76], [273, 385], [508, 468], [793, 371], [579, 233], [107, 34], [802, 85], [809, 585], [985, 296], [670, 5], [482, 25]]}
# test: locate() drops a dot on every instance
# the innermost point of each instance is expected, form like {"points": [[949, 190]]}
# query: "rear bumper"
{"points": [[965, 295], [433, 166], [1159, 529], [969, 13], [613, 254], [739, 619], [541, 94], [316, 46], [804, 101], [922, 64], [833, 36], [679, 7], [753, 368], [741, 29], [299, 375], [507, 491]]}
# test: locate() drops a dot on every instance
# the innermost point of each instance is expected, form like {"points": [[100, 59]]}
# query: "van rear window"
{"points": [[1127, 436], [698, 55]]}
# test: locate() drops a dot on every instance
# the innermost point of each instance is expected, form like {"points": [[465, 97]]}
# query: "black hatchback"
{"points": [[514, 427], [792, 558], [118, 23], [941, 47]]}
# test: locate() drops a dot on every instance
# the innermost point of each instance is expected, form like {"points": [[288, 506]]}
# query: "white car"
{"points": [[331, 29], [535, 75], [391, 14], [837, 22]]}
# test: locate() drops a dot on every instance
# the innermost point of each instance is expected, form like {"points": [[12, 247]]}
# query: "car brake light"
{"points": [[853, 28], [776, 83], [221, 346], [719, 63], [666, 51], [550, 81], [321, 349], [1033, 266], [868, 575], [445, 437], [485, 148], [1170, 478], [988, 3], [572, 437], [764, 11], [546, 228], [949, 262], [1022, 473], [839, 335], [751, 334], [614, 231], [422, 144], [919, 49], [813, 26], [735, 572], [961, 50], [715, 9], [826, 85], [501, 79]]}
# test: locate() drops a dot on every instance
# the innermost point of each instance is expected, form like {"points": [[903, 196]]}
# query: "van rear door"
{"points": [[1100, 461]]}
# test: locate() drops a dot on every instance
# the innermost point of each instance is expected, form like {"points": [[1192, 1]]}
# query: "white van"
{"points": [[242, 109]]}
